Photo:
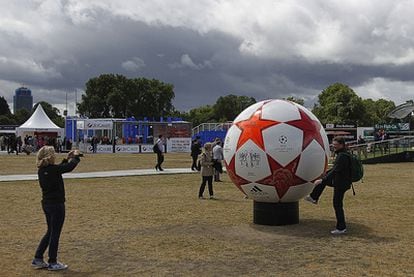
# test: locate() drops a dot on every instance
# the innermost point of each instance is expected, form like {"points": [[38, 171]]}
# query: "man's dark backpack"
{"points": [[357, 169]]}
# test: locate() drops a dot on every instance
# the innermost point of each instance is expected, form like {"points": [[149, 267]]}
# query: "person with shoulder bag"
{"points": [[158, 149], [338, 177], [207, 171]]}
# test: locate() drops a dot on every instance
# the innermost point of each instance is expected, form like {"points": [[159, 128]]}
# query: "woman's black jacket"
{"points": [[51, 181]]}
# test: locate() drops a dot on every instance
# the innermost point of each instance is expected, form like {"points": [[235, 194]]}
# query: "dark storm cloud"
{"points": [[207, 49]]}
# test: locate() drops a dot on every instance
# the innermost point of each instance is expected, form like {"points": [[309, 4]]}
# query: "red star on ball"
{"points": [[311, 129], [252, 129], [282, 178], [237, 180]]}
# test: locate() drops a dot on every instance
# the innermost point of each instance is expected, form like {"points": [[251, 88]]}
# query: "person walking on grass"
{"points": [[159, 147], [195, 151], [217, 159], [207, 171], [53, 203], [338, 177]]}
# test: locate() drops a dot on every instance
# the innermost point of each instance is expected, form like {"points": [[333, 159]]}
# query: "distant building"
{"points": [[22, 99]]}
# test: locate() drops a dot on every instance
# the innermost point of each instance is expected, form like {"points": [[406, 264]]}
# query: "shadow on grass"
{"points": [[320, 228], [76, 273], [231, 200]]}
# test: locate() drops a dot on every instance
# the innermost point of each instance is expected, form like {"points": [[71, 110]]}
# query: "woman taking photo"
{"points": [[53, 203]]}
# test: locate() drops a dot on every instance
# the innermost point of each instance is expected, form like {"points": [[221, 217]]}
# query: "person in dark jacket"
{"points": [[53, 203], [338, 177], [195, 151]]}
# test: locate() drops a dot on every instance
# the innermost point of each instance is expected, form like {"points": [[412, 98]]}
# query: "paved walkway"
{"points": [[101, 174]]}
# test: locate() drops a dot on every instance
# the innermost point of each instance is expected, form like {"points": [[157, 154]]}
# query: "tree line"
{"points": [[337, 104], [116, 96], [20, 116]]}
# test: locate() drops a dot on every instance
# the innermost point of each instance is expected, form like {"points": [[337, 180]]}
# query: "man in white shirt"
{"points": [[217, 158]]}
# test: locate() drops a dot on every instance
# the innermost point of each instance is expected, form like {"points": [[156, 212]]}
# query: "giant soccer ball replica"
{"points": [[274, 150]]}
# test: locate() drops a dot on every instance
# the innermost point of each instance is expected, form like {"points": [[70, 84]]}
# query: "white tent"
{"points": [[39, 122]]}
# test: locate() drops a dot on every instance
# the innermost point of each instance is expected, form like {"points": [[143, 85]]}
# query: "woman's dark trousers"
{"points": [[209, 180], [55, 216]]}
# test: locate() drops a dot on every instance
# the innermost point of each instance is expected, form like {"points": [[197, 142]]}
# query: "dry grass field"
{"points": [[156, 226]]}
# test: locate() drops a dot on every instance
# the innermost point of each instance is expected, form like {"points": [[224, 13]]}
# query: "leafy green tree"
{"points": [[376, 112], [7, 120], [52, 112], [338, 103], [117, 103], [152, 98], [384, 107], [99, 91], [4, 106], [21, 116], [225, 109], [179, 114], [201, 115], [112, 95], [229, 106], [299, 101]]}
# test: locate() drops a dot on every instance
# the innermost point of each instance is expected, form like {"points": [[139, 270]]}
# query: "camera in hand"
{"points": [[77, 154]]}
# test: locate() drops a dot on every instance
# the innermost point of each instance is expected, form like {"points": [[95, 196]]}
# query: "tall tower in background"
{"points": [[22, 99]]}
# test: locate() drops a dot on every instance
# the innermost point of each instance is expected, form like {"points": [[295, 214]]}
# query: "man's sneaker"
{"points": [[212, 197], [57, 266], [310, 199], [201, 198], [338, 232], [39, 264]]}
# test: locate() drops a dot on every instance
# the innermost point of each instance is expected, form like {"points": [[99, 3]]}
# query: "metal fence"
{"points": [[382, 148], [211, 127]]}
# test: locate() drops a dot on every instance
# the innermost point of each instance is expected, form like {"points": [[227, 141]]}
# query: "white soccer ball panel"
{"points": [[305, 110], [248, 112], [283, 142], [325, 143], [260, 193], [230, 143], [312, 162], [297, 192], [280, 111], [251, 162]]}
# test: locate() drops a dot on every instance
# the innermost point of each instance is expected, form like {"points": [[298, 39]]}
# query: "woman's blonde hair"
{"points": [[45, 156], [208, 146]]}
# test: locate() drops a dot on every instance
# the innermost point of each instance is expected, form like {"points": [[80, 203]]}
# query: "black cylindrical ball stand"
{"points": [[275, 214]]}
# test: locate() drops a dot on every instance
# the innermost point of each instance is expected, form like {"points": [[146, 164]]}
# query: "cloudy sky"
{"points": [[209, 48]]}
